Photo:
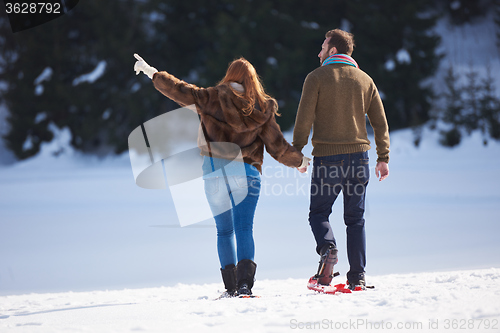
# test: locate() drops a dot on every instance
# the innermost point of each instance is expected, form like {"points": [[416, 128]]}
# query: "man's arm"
{"points": [[306, 112], [378, 120]]}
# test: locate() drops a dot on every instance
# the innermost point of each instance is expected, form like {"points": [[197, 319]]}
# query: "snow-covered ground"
{"points": [[462, 301], [75, 223]]}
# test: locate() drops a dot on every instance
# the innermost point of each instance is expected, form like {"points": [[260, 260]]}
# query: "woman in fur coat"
{"points": [[236, 112]]}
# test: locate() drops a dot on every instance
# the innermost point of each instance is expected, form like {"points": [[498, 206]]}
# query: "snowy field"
{"points": [[84, 249], [463, 301]]}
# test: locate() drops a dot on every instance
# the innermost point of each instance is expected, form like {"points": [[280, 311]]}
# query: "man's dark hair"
{"points": [[342, 40]]}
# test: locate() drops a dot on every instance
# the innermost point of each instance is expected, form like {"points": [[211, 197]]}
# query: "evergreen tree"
{"points": [[489, 110], [452, 113], [472, 92], [469, 107], [465, 11], [43, 88], [496, 8], [195, 40], [396, 47], [281, 38]]}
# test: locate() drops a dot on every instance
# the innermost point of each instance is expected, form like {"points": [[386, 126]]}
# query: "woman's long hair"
{"points": [[242, 71]]}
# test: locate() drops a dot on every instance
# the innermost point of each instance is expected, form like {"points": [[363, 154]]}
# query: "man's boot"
{"points": [[328, 260], [356, 281]]}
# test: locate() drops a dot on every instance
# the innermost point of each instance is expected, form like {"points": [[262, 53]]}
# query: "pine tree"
{"points": [[472, 92], [469, 107], [195, 40], [465, 11], [489, 109], [496, 8], [452, 112], [101, 114], [396, 47], [281, 38]]}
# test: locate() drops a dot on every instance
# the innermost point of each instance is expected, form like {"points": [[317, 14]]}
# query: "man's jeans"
{"points": [[235, 220], [348, 173]]}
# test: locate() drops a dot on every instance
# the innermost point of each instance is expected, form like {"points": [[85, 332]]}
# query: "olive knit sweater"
{"points": [[335, 99]]}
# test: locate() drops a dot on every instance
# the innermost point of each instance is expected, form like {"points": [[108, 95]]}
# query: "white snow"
{"points": [[44, 76], [39, 90], [106, 114], [390, 65], [427, 302], [310, 25], [193, 76], [135, 87], [345, 25], [272, 61], [92, 76], [28, 143], [403, 56], [84, 249], [455, 5], [41, 116]]}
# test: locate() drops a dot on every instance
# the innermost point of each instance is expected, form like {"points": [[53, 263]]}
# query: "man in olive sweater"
{"points": [[336, 97]]}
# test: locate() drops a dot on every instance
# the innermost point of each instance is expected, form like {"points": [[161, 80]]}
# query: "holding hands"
{"points": [[305, 163]]}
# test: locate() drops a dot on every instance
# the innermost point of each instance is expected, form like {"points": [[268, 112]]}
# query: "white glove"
{"points": [[141, 65], [305, 163]]}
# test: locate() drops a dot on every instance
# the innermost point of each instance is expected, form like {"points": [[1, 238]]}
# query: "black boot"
{"points": [[328, 260], [356, 281], [245, 273], [229, 279]]}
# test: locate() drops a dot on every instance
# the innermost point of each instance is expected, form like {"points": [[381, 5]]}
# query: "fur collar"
{"points": [[236, 86], [231, 104]]}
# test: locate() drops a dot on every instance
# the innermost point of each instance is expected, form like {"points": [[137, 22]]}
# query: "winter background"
{"points": [[84, 249]]}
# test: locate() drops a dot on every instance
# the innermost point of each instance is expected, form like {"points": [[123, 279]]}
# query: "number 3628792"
{"points": [[33, 8]]}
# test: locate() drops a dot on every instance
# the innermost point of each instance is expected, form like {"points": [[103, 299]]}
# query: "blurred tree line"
{"points": [[42, 70], [470, 102]]}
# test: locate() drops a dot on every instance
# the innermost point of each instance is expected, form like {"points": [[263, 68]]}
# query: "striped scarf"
{"points": [[340, 59]]}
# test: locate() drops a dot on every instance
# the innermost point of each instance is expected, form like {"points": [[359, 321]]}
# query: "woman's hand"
{"points": [[305, 163], [142, 66]]}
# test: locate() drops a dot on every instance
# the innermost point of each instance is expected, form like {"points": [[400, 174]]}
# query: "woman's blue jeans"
{"points": [[234, 222], [350, 174]]}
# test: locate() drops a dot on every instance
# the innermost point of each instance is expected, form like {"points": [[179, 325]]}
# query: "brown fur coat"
{"points": [[220, 111]]}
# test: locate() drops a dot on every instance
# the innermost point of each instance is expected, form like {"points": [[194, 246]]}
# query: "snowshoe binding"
{"points": [[328, 260]]}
